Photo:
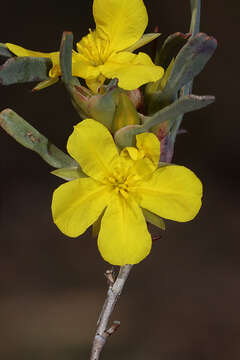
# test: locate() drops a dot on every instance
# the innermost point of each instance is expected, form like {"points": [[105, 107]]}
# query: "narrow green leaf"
{"points": [[24, 69], [69, 173], [156, 98], [97, 225], [196, 14], [29, 137], [66, 56], [154, 219], [45, 83], [194, 29], [181, 106], [102, 107], [4, 51], [190, 61], [126, 136], [170, 49]]}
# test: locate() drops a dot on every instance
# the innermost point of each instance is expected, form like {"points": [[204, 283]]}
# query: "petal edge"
{"points": [[124, 237], [173, 192], [77, 204]]}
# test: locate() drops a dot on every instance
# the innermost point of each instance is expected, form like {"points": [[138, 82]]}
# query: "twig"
{"points": [[114, 291]]}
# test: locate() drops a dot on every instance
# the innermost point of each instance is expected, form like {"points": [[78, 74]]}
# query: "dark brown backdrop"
{"points": [[182, 302]]}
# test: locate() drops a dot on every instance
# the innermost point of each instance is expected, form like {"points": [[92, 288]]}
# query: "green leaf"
{"points": [[69, 173], [66, 56], [181, 106], [156, 98], [154, 219], [126, 136], [97, 225], [24, 69], [170, 49], [196, 14], [45, 83], [4, 51], [189, 62], [194, 29], [102, 107], [29, 137]]}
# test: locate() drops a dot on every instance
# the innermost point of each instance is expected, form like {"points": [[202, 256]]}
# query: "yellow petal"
{"points": [[93, 49], [124, 237], [121, 22], [130, 152], [141, 167], [145, 39], [131, 70], [20, 51], [146, 156], [77, 204], [55, 71], [95, 84], [83, 68], [149, 144], [173, 192], [144, 168], [92, 146], [54, 56]]}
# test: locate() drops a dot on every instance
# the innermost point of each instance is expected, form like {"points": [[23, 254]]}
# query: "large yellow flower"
{"points": [[118, 186], [106, 52]]}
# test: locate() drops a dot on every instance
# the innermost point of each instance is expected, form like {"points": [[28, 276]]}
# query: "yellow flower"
{"points": [[106, 52], [116, 187]]}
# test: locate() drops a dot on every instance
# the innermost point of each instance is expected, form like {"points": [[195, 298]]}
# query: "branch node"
{"points": [[110, 275], [114, 290], [113, 328]]}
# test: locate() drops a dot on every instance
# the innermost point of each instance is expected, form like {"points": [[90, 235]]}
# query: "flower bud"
{"points": [[125, 114], [100, 107], [136, 98]]}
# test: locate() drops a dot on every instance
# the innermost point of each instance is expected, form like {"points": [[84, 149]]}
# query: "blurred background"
{"points": [[182, 302]]}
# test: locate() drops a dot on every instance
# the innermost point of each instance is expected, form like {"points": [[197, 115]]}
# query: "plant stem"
{"points": [[114, 291]]}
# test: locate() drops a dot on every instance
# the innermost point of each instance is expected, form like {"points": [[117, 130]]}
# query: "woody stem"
{"points": [[114, 292]]}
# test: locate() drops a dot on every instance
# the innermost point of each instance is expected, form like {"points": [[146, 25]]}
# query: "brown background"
{"points": [[182, 302]]}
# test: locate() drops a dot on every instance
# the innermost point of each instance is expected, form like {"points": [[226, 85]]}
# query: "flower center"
{"points": [[119, 184], [93, 48]]}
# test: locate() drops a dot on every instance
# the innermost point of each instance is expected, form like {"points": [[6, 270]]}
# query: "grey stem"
{"points": [[103, 332]]}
